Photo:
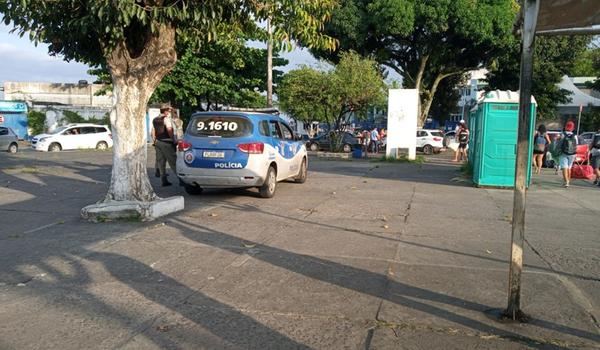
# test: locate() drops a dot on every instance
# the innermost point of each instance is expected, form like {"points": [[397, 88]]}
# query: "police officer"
{"points": [[164, 143]]}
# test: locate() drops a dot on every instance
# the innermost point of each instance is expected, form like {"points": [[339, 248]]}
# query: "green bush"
{"points": [[37, 122], [403, 159], [70, 117], [101, 121]]}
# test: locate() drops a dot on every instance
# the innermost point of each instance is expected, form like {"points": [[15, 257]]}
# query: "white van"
{"points": [[74, 136]]}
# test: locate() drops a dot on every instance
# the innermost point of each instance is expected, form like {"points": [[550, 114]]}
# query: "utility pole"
{"points": [[269, 64], [530, 12]]}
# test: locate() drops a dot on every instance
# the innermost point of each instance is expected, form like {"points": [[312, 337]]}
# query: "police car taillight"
{"points": [[183, 145], [252, 148]]}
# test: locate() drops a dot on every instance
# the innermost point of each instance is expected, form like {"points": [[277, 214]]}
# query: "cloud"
{"points": [[23, 61]]}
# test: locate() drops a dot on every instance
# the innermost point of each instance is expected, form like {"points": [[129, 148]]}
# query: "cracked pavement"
{"points": [[364, 255]]}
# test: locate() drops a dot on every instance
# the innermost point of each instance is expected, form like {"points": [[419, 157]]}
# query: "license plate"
{"points": [[211, 154]]}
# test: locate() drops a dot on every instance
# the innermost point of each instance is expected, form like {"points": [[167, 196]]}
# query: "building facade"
{"points": [[54, 99]]}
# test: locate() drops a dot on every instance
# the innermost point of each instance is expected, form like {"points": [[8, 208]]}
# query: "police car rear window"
{"points": [[220, 126]]}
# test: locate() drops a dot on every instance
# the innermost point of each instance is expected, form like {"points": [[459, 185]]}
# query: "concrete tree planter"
{"points": [[132, 210]]}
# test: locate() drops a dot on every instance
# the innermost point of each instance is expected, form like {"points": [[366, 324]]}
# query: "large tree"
{"points": [[352, 86], [445, 101], [136, 40], [424, 41], [553, 58]]}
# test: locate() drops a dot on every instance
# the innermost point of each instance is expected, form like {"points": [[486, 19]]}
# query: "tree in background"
{"points": [[553, 58], [446, 98], [352, 86], [426, 42], [587, 63], [36, 121], [217, 75], [136, 40]]}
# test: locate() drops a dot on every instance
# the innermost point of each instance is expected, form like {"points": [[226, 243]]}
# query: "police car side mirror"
{"points": [[297, 137]]}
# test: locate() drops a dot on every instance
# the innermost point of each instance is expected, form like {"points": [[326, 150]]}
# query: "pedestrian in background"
{"points": [[164, 144], [595, 152], [568, 150], [462, 136], [541, 141], [366, 136], [375, 140]]}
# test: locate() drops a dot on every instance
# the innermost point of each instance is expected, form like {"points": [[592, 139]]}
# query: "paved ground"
{"points": [[363, 256]]}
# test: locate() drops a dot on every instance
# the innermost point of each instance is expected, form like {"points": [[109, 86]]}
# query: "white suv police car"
{"points": [[239, 150]]}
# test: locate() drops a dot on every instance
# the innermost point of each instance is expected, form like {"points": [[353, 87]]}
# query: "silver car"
{"points": [[8, 140]]}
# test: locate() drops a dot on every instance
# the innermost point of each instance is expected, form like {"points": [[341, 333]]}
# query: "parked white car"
{"points": [[430, 141], [74, 136]]}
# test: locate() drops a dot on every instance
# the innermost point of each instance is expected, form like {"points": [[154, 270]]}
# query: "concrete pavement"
{"points": [[364, 255]]}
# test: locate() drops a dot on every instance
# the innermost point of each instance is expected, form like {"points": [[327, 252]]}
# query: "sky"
{"points": [[21, 60]]}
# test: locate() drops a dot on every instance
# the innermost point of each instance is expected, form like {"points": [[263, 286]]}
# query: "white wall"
{"points": [[403, 111]]}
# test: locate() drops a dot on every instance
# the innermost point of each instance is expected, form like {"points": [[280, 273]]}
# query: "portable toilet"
{"points": [[493, 123], [13, 114]]}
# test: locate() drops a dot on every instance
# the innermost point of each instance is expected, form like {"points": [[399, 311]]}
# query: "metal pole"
{"points": [[269, 64], [579, 118], [530, 12]]}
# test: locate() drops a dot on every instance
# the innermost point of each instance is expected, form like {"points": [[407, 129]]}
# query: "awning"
{"points": [[568, 17]]}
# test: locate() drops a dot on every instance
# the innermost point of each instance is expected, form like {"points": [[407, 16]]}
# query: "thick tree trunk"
{"points": [[421, 72], [134, 80], [427, 100]]}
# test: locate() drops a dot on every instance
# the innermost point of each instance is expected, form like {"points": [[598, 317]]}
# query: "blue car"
{"points": [[239, 150]]}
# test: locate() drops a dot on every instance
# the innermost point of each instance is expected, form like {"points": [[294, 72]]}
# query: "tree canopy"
{"points": [[424, 41], [587, 64], [553, 58], [352, 86], [87, 30]]}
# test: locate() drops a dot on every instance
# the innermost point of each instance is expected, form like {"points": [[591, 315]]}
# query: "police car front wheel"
{"points": [[302, 175], [267, 190]]}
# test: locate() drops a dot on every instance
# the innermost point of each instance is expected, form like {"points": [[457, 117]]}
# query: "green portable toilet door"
{"points": [[475, 142], [499, 148]]}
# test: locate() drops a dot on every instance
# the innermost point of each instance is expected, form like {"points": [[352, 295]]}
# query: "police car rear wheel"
{"points": [[267, 190], [301, 178], [314, 147], [193, 189]]}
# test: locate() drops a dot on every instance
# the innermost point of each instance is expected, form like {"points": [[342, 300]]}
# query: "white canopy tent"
{"points": [[578, 97]]}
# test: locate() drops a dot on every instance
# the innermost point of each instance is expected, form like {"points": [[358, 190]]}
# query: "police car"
{"points": [[236, 149]]}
